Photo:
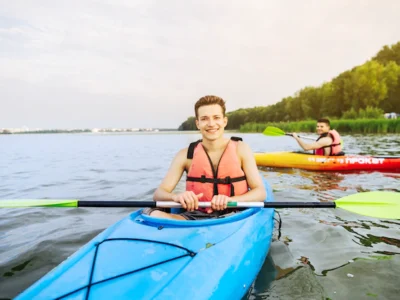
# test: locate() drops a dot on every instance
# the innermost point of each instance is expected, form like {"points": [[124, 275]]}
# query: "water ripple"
{"points": [[316, 250]]}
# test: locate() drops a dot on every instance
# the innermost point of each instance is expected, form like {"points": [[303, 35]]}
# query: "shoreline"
{"points": [[360, 126]]}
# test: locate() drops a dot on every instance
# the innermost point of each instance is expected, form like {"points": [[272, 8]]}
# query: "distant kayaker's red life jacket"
{"points": [[335, 147], [228, 179]]}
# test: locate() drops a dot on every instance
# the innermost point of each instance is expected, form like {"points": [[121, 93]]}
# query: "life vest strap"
{"points": [[191, 149], [329, 146], [193, 145], [236, 139], [216, 181], [226, 180]]}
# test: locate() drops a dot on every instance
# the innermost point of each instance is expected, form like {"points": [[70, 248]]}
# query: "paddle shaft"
{"points": [[377, 204], [206, 204], [302, 137], [162, 204]]}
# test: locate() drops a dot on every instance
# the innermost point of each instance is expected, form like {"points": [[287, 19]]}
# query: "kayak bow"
{"points": [[143, 257]]}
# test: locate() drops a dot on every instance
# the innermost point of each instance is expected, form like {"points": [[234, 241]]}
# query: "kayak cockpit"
{"points": [[240, 215]]}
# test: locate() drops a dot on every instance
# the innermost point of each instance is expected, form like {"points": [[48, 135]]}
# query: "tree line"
{"points": [[373, 86]]}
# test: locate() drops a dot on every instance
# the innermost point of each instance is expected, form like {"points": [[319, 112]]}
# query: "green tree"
{"points": [[364, 91], [389, 54], [350, 114], [392, 80], [366, 86]]}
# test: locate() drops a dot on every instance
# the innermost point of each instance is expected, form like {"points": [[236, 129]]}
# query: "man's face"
{"points": [[211, 121], [322, 128]]}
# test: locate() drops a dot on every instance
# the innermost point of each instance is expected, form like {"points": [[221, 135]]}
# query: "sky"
{"points": [[144, 63]]}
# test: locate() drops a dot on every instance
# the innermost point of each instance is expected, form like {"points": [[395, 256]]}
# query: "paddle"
{"points": [[275, 131], [373, 204]]}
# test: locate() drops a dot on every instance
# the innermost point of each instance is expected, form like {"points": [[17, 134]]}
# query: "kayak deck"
{"points": [[327, 163], [143, 257]]}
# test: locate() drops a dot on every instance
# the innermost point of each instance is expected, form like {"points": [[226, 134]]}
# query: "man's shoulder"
{"points": [[183, 152], [241, 143], [243, 147], [181, 157], [326, 139]]}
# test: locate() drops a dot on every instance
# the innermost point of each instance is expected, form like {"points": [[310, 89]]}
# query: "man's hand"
{"points": [[188, 200], [220, 202], [294, 134]]}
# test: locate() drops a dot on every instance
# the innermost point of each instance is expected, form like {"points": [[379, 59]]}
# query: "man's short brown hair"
{"points": [[326, 121], [209, 100]]}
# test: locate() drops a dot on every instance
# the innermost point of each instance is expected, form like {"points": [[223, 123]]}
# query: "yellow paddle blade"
{"points": [[373, 204], [273, 131]]}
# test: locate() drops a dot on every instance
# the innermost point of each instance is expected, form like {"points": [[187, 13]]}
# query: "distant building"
{"points": [[391, 115], [5, 131]]}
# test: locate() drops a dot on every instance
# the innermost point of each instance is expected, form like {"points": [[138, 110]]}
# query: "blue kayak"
{"points": [[142, 257]]}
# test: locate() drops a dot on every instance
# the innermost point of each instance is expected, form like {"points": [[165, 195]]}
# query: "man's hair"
{"points": [[209, 100], [326, 121]]}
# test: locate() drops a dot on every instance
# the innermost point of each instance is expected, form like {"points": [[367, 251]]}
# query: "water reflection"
{"points": [[388, 145], [319, 183], [322, 183]]}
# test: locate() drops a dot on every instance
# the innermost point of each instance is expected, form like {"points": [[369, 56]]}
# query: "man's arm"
{"points": [[257, 190], [171, 179], [326, 141]]}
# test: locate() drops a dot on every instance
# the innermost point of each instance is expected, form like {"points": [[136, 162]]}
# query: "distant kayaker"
{"points": [[328, 142], [218, 169]]}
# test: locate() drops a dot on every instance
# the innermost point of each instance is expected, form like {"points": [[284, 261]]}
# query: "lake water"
{"points": [[322, 253]]}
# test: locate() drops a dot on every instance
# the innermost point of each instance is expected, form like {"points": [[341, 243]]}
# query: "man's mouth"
{"points": [[214, 130]]}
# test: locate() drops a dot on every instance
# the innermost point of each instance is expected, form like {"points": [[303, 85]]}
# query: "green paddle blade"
{"points": [[273, 131], [38, 203], [373, 204]]}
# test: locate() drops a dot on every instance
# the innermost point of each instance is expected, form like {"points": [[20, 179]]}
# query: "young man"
{"points": [[328, 142], [218, 169]]}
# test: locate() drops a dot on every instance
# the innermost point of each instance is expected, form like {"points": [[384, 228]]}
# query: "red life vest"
{"points": [[228, 179], [335, 147]]}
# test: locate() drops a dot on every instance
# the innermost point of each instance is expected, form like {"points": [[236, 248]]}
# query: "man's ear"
{"points": [[197, 124]]}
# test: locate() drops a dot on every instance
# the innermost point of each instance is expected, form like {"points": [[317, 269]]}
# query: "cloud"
{"points": [[171, 53]]}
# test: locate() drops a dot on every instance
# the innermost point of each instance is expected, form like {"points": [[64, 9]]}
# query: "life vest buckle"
{"points": [[227, 180], [203, 179]]}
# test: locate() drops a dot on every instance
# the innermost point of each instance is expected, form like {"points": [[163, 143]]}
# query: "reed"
{"points": [[342, 126]]}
